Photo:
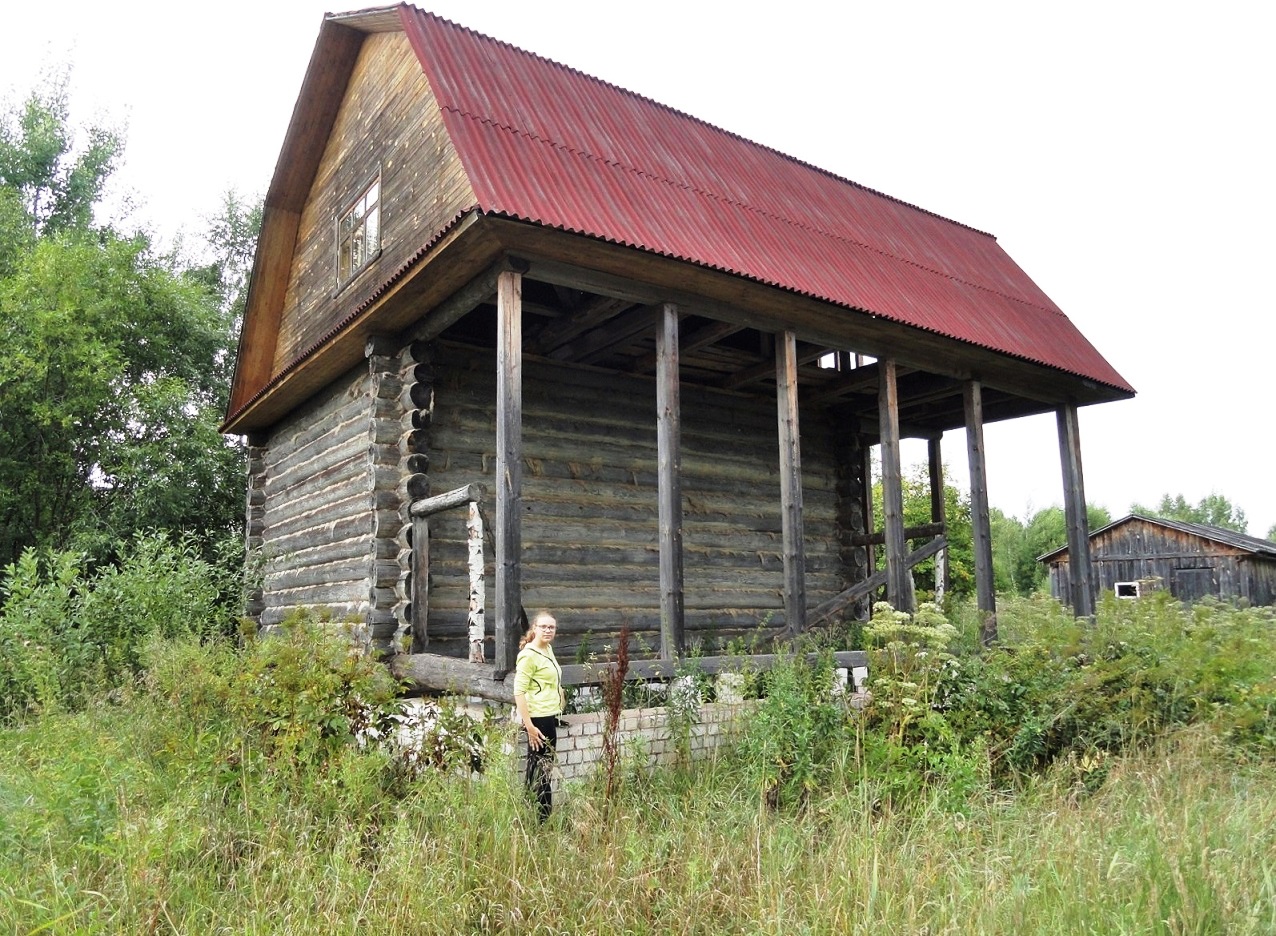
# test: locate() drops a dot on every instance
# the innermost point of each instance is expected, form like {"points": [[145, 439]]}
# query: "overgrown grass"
{"points": [[1117, 778]]}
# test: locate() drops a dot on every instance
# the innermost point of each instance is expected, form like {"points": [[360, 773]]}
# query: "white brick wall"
{"points": [[642, 733]]}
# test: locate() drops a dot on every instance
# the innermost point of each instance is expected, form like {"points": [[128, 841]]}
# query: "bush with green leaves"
{"points": [[69, 632]]}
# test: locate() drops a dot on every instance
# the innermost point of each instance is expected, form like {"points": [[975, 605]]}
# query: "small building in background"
{"points": [[1138, 554]]}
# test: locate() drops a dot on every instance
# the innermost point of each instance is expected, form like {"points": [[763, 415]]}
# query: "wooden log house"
{"points": [[650, 355]]}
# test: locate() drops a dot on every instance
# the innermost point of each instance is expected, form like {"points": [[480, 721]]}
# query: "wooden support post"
{"points": [[938, 510], [981, 528], [669, 473], [420, 583], [509, 467], [786, 389], [899, 580], [1080, 567], [478, 590]]}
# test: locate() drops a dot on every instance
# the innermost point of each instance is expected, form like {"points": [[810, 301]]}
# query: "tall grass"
{"points": [[188, 803]]}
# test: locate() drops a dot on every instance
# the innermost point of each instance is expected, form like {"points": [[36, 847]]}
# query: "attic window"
{"points": [[359, 233]]}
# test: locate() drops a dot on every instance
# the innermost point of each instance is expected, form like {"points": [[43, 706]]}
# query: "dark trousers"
{"points": [[540, 763]]}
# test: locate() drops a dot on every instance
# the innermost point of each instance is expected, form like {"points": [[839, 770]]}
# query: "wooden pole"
{"points": [[420, 583], [899, 580], [786, 390], [981, 527], [938, 510], [1080, 567], [509, 467], [478, 590], [669, 473]]}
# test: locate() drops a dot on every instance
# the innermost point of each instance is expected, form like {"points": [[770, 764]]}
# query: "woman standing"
{"points": [[538, 697]]}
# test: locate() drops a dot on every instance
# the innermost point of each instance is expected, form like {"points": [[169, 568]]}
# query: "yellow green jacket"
{"points": [[539, 679]]}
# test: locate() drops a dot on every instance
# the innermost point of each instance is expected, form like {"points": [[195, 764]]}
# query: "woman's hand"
{"points": [[535, 737]]}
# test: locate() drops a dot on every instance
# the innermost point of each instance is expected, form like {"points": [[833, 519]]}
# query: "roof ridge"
{"points": [[746, 206], [704, 123]]}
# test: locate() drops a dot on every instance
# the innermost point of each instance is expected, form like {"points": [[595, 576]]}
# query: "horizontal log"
{"points": [[912, 532], [431, 672], [454, 498]]}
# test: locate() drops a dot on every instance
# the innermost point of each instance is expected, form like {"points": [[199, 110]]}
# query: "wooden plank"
{"points": [[592, 314], [786, 388], [463, 495], [1080, 565], [899, 582], [669, 471], [863, 589], [981, 528], [509, 467], [703, 337], [764, 369]]}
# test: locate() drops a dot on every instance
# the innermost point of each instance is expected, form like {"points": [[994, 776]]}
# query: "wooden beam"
{"points": [[597, 344], [765, 369], [593, 313], [429, 672], [669, 474], [786, 390], [938, 509], [509, 467], [420, 584], [1080, 564], [899, 581], [823, 612], [464, 301], [981, 528], [701, 338], [429, 506], [926, 530]]}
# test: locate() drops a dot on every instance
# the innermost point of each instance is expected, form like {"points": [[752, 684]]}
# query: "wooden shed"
{"points": [[518, 338], [1138, 554]]}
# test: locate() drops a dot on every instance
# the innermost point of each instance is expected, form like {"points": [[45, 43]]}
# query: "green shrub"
{"points": [[69, 633]]}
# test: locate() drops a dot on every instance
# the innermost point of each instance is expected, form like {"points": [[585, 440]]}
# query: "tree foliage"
{"points": [[113, 359], [1017, 544], [1212, 510]]}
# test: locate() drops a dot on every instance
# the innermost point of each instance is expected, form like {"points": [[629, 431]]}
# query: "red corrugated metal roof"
{"points": [[548, 144]]}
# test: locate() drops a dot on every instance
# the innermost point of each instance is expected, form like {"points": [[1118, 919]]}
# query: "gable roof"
{"points": [[546, 144], [1215, 534], [650, 177]]}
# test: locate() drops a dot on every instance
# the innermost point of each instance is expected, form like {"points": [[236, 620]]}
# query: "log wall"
{"points": [[590, 524], [389, 123], [316, 513]]}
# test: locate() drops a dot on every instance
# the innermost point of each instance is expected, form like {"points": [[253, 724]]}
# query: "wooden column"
{"points": [[981, 528], [899, 579], [938, 511], [669, 475], [1080, 567], [786, 391], [509, 467]]}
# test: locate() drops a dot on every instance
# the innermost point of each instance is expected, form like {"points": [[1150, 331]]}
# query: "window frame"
{"points": [[343, 277]]}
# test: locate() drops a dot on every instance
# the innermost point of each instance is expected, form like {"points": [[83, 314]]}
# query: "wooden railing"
{"points": [[471, 497]]}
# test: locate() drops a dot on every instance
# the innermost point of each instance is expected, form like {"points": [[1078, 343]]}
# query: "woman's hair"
{"points": [[531, 628]]}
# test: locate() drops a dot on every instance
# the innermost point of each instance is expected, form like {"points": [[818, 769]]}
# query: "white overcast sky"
{"points": [[1121, 152]]}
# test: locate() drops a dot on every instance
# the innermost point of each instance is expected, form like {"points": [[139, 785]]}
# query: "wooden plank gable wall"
{"points": [[388, 124]]}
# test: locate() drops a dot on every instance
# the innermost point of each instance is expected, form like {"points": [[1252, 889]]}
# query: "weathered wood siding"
{"points": [[316, 517], [1190, 567], [390, 123], [590, 526]]}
